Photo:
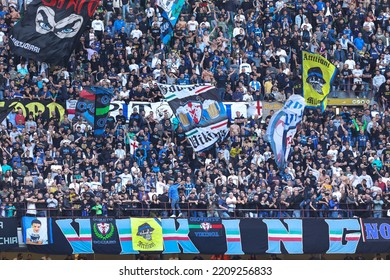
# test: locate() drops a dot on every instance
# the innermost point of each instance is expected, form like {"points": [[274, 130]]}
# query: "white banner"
{"points": [[245, 109]]}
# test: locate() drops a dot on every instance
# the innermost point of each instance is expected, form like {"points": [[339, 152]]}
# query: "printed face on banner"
{"points": [[145, 231], [50, 29], [35, 231], [64, 28]]}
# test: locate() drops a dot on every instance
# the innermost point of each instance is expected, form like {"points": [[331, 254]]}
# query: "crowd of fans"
{"points": [[340, 162]]}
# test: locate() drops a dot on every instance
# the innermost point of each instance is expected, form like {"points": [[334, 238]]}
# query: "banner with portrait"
{"points": [[37, 230], [317, 77]]}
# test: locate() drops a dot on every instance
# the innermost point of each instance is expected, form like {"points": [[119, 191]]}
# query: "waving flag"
{"points": [[317, 77], [134, 145], [94, 105], [283, 126], [4, 112], [255, 108], [200, 111], [170, 11], [50, 29]]}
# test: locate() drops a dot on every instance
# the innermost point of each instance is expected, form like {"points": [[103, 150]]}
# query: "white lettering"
{"points": [[25, 46], [8, 240]]}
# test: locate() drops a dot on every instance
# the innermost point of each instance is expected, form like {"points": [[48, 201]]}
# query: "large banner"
{"points": [[170, 11], [50, 29], [94, 105], [8, 233], [36, 231], [33, 106], [215, 236], [283, 126], [200, 111], [317, 77], [160, 109]]}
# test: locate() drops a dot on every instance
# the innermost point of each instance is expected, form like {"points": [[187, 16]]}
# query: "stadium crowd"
{"points": [[250, 50]]}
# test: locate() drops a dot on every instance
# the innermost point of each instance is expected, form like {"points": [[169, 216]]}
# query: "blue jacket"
{"points": [[173, 192]]}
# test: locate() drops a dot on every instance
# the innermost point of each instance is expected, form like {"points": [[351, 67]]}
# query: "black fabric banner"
{"points": [[104, 235], [8, 233], [204, 231], [50, 29], [94, 105]]}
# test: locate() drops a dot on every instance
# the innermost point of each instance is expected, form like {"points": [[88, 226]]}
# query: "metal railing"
{"points": [[188, 209]]}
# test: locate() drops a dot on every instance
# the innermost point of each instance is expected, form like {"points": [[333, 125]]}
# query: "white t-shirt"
{"points": [[333, 154], [41, 236], [192, 25], [126, 178], [136, 33]]}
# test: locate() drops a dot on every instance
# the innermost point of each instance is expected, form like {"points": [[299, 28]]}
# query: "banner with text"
{"points": [[200, 111], [217, 236], [8, 233], [34, 106], [50, 29]]}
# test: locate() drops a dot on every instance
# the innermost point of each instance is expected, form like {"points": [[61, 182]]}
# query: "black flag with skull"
{"points": [[50, 29]]}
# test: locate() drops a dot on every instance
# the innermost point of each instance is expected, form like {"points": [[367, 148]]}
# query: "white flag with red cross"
{"points": [[255, 108], [134, 145]]}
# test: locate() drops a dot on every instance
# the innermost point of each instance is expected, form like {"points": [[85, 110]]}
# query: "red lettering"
{"points": [[80, 6], [50, 3], [60, 4], [72, 3], [92, 6], [76, 5]]}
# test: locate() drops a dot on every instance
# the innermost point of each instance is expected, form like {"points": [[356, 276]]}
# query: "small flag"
{"points": [[255, 108], [134, 145]]}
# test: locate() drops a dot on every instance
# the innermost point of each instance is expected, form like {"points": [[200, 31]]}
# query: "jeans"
{"points": [[175, 206], [125, 9], [378, 214], [263, 214], [221, 93], [335, 214], [130, 26], [324, 211], [201, 214], [365, 89], [224, 215], [297, 213]]}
